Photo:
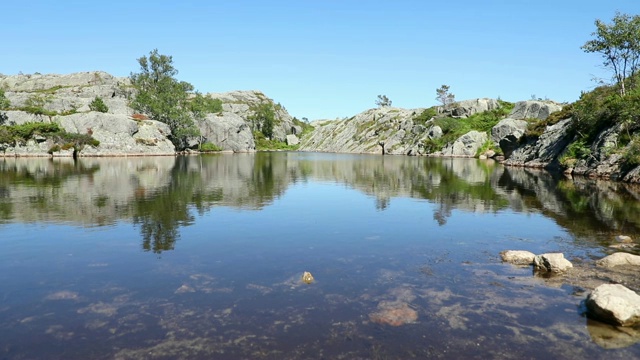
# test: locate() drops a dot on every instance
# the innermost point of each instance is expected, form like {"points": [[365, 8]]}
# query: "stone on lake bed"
{"points": [[618, 259], [394, 313], [307, 278], [614, 303], [517, 257], [624, 239], [552, 262]]}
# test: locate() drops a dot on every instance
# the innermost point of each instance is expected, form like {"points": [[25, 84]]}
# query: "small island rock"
{"points": [[517, 257], [551, 262], [614, 303], [618, 259]]}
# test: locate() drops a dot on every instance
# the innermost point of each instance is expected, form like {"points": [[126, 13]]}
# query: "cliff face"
{"points": [[65, 99], [369, 132]]}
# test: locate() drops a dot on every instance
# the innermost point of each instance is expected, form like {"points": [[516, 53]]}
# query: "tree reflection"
{"points": [[161, 213], [162, 195]]}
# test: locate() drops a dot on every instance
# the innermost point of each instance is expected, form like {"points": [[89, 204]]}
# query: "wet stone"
{"points": [[551, 262], [394, 313], [614, 303], [619, 259], [517, 257]]}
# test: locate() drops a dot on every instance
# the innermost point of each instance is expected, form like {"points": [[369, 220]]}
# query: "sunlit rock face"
{"points": [[614, 303]]}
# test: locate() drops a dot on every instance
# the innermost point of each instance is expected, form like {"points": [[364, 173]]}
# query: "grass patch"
{"points": [[264, 144], [577, 150], [453, 128], [536, 128], [13, 134], [51, 90], [209, 147]]}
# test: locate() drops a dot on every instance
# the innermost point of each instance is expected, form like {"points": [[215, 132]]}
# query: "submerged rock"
{"points": [[611, 336], [517, 257], [307, 278], [394, 313], [619, 259], [551, 262], [614, 303]]}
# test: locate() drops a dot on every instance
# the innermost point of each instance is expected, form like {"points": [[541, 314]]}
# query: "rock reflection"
{"points": [[163, 194], [612, 337]]}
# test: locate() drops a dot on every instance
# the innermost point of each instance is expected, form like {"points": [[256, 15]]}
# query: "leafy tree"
{"points": [[444, 96], [162, 97], [619, 44], [383, 101], [264, 118], [4, 104], [98, 105], [201, 105]]}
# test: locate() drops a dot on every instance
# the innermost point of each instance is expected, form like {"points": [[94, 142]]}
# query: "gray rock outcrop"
{"points": [[240, 106], [368, 132], [506, 127], [545, 149], [292, 140], [619, 259], [517, 257], [467, 145], [507, 133], [229, 131], [551, 262], [466, 108], [65, 100], [614, 303], [534, 110]]}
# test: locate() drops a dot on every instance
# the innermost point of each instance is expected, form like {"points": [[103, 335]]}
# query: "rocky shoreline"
{"points": [[65, 100], [608, 282]]}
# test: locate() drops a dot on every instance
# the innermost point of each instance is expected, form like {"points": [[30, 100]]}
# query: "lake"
{"points": [[201, 257]]}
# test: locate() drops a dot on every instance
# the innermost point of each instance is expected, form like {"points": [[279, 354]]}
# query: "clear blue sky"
{"points": [[323, 58]]}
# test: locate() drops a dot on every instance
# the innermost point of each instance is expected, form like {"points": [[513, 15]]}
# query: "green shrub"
{"points": [[425, 115], [200, 105], [4, 102], [23, 132], [631, 155], [10, 134], [306, 127], [453, 128], [536, 128], [488, 145], [98, 105], [263, 143], [577, 150], [54, 148], [209, 147], [36, 103], [264, 118]]}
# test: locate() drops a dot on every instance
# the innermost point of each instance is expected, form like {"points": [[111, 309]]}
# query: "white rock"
{"points": [[517, 257], [551, 262], [615, 304], [618, 259]]}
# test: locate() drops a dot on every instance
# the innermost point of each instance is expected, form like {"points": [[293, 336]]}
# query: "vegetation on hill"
{"points": [[98, 105], [453, 128], [14, 134], [164, 98], [607, 106]]}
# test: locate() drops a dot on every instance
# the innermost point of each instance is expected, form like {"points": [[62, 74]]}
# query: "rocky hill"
{"points": [[406, 132], [65, 100]]}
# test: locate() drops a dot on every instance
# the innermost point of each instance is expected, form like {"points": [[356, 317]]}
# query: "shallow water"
{"points": [[202, 257]]}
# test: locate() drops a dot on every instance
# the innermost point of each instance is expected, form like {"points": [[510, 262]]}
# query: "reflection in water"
{"points": [[403, 251], [158, 194]]}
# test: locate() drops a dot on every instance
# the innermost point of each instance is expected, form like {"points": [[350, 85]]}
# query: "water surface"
{"points": [[201, 257]]}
